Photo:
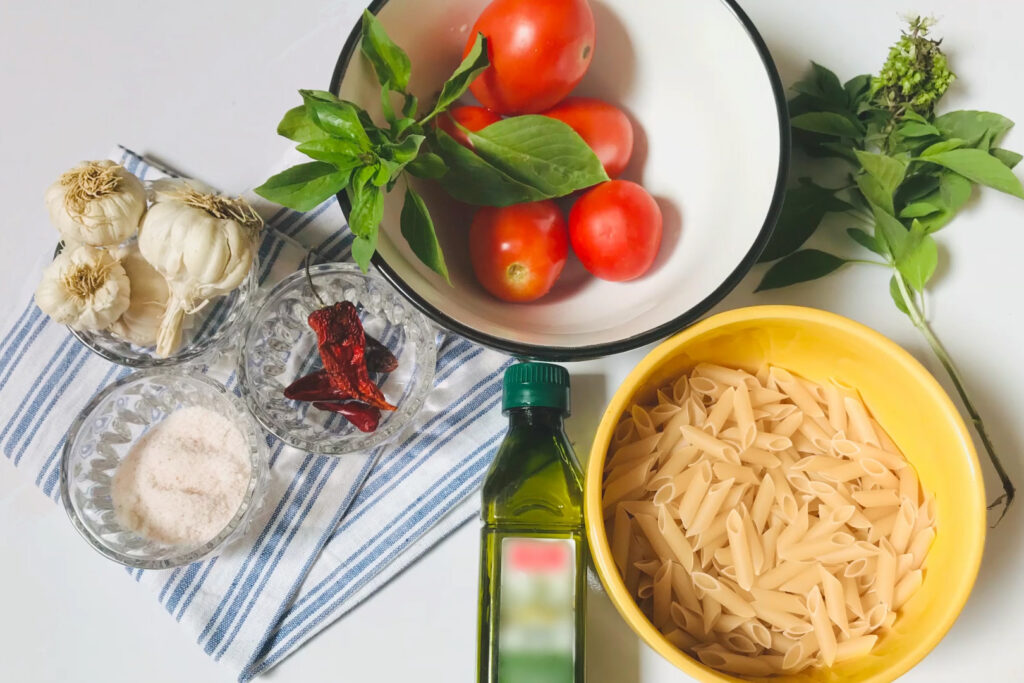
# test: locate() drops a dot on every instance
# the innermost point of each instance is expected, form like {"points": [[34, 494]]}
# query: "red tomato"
{"points": [[539, 51], [602, 126], [474, 118], [518, 251], [615, 230]]}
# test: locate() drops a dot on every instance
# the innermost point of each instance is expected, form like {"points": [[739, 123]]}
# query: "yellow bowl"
{"points": [[903, 397]]}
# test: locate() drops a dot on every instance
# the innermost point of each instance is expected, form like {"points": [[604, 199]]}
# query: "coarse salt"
{"points": [[183, 481]]}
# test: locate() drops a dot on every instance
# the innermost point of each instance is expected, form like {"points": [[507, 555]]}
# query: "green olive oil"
{"points": [[533, 545]]}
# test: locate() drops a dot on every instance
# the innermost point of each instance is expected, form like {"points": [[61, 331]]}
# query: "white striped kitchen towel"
{"points": [[332, 530]]}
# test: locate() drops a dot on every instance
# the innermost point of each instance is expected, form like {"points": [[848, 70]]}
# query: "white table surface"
{"points": [[202, 85]]}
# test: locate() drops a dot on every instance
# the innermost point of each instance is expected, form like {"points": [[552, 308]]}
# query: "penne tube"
{"points": [[678, 459], [813, 432], [684, 590], [784, 621], [670, 435], [710, 611], [727, 598], [620, 539], [757, 632], [822, 626], [664, 494], [695, 493], [727, 470], [645, 588], [743, 412], [879, 473], [796, 392], [704, 441], [754, 543], [759, 457], [835, 600], [851, 596], [649, 527], [858, 423], [780, 642], [769, 545], [904, 563], [733, 662], [778, 411], [735, 495], [705, 386], [876, 498], [908, 488], [772, 442], [854, 647], [642, 419], [831, 496], [738, 642], [883, 526], [663, 412], [709, 507], [674, 538], [885, 575], [906, 587], [729, 622], [760, 396], [783, 494], [622, 488], [883, 437], [762, 502], [802, 582], [681, 390], [739, 545], [919, 546], [662, 594], [834, 406], [639, 507], [625, 432], [649, 567], [793, 658], [721, 411], [856, 551], [902, 527], [809, 549], [786, 602], [720, 374], [794, 531], [680, 639]]}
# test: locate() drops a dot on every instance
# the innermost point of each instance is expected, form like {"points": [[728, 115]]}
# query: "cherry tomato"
{"points": [[473, 118], [539, 51], [518, 251], [615, 230], [602, 126]]}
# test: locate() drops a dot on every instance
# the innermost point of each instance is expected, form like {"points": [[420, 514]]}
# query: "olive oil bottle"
{"points": [[533, 545]]}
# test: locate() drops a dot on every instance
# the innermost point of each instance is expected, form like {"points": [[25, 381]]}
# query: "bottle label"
{"points": [[536, 628]]}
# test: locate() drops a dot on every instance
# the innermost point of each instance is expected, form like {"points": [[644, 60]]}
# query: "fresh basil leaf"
{"points": [[954, 190], [389, 61], [942, 146], [897, 296], [410, 106], [915, 187], [385, 104], [911, 115], [827, 123], [305, 186], [363, 247], [865, 240], [919, 258], [418, 231], [918, 209], [367, 208], [980, 129], [913, 129], [405, 151], [427, 165], [857, 89], [1009, 158], [378, 136], [541, 152], [802, 210], [472, 64], [336, 117], [838, 149], [888, 171], [473, 180], [407, 125], [874, 192], [890, 234], [297, 126], [342, 154], [823, 85], [800, 266], [979, 166]]}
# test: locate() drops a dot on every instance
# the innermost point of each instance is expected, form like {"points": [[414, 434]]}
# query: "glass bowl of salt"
{"points": [[163, 469]]}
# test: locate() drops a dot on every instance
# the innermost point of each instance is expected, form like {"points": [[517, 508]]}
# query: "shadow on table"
{"points": [[613, 650]]}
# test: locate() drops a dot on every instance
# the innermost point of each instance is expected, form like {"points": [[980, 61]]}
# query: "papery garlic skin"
{"points": [[148, 301], [84, 288], [202, 243], [97, 203]]}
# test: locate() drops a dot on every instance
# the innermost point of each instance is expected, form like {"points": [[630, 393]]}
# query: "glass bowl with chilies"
{"points": [[335, 361]]}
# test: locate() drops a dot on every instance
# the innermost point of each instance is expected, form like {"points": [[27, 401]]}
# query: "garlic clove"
{"points": [[84, 288], [148, 301], [96, 203]]}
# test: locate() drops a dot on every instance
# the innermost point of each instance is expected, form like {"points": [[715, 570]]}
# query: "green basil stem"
{"points": [[954, 374]]}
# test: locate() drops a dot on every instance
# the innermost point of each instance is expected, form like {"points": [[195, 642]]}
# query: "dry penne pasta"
{"points": [[765, 523]]}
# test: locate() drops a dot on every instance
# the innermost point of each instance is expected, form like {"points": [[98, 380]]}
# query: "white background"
{"points": [[202, 85]]}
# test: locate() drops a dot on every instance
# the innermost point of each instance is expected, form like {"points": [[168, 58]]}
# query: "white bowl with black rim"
{"points": [[712, 146]]}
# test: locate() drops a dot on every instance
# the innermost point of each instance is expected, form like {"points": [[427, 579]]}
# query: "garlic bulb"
{"points": [[148, 301], [97, 203], [84, 288], [201, 242]]}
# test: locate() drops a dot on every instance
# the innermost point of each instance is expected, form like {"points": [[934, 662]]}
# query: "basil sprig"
{"points": [[520, 159], [909, 173]]}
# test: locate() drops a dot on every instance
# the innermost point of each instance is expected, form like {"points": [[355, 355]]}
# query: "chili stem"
{"points": [[940, 351], [309, 279]]}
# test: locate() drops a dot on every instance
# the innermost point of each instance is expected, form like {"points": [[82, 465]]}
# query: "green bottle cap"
{"points": [[540, 385]]}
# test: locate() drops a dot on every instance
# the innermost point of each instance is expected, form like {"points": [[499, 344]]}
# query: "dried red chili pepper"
{"points": [[378, 357], [342, 345], [316, 386], [364, 417]]}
